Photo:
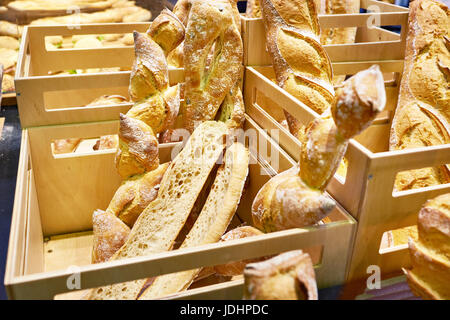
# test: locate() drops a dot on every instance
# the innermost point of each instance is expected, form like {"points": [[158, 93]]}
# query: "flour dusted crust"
{"points": [[150, 73], [285, 202], [167, 31], [110, 233], [296, 198], [138, 148], [302, 67], [210, 23], [288, 276], [430, 254], [423, 113]]}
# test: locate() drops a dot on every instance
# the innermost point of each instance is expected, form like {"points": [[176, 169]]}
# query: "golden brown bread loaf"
{"points": [[138, 148], [430, 255], [134, 195], [237, 268], [213, 220], [183, 181], [110, 233], [302, 67], [210, 23], [422, 117], [295, 197], [288, 276], [167, 31]]}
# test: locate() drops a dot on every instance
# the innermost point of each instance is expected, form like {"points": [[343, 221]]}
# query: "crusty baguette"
{"points": [[237, 268], [210, 23], [232, 109], [138, 148], [288, 276], [159, 224], [430, 255], [295, 197], [213, 220], [302, 67], [110, 233], [134, 195], [422, 117]]}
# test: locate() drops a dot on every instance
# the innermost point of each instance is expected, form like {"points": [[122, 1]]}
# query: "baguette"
{"points": [[288, 276], [422, 117], [156, 232], [429, 277], [302, 67], [295, 198], [210, 23], [213, 220]]}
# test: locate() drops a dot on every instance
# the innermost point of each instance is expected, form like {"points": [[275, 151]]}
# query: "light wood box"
{"points": [[371, 43], [56, 195], [45, 99], [366, 191]]}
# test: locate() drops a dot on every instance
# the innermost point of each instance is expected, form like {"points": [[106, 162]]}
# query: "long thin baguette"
{"points": [[213, 220], [159, 224], [422, 117]]}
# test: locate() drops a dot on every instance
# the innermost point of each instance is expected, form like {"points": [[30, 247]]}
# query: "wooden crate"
{"points": [[45, 99], [56, 195], [366, 190], [370, 43]]}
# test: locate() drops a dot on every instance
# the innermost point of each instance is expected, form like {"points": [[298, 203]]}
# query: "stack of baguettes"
{"points": [[164, 204]]}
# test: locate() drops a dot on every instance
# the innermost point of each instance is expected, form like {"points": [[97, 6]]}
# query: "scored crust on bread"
{"points": [[301, 65], [295, 198], [210, 24], [110, 233], [159, 224], [288, 276], [422, 117], [213, 220], [430, 254]]}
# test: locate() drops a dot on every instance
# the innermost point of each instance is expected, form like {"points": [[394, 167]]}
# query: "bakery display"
{"points": [[295, 198], [429, 277], [422, 117], [173, 172], [302, 67], [288, 276]]}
